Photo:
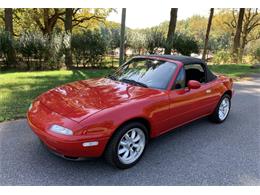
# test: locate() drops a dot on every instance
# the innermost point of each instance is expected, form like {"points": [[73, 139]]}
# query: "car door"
{"points": [[188, 104]]}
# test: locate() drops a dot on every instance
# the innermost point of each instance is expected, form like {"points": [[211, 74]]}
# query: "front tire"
{"points": [[222, 110], [127, 146]]}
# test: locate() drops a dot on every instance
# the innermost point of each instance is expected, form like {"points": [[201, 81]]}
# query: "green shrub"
{"points": [[77, 47], [248, 59], [6, 43], [54, 56], [33, 47], [257, 54], [185, 44], [154, 39], [222, 57], [41, 52], [135, 40], [89, 47], [115, 38]]}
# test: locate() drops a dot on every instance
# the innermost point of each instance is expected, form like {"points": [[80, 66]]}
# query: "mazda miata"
{"points": [[116, 116]]}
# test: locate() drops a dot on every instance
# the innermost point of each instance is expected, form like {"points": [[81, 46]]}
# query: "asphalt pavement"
{"points": [[201, 153]]}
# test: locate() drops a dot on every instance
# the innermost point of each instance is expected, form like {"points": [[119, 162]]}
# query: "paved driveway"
{"points": [[200, 153]]}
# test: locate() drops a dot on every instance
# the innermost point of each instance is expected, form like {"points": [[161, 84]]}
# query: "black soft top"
{"points": [[186, 60]]}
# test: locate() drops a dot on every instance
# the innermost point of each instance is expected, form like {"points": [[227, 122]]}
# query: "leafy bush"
{"points": [[217, 43], [249, 59], [154, 39], [111, 35], [33, 47], [257, 54], [6, 43], [136, 40], [77, 47], [222, 57], [115, 38], [54, 55], [185, 44], [89, 47], [41, 52]]}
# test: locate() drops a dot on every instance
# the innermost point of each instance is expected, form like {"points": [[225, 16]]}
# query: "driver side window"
{"points": [[195, 72], [180, 80]]}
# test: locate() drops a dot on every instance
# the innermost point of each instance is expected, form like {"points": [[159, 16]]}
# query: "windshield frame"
{"points": [[172, 77]]}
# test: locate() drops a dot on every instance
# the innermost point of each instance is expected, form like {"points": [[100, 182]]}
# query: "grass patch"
{"points": [[18, 89], [235, 71]]}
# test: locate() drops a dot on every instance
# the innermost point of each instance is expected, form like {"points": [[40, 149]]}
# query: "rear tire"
{"points": [[222, 110], [127, 146]]}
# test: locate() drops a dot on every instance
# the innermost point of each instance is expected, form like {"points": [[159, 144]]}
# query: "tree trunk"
{"points": [[250, 22], [236, 44], [243, 45], [171, 31], [207, 34], [49, 19], [68, 29], [122, 37], [11, 59]]}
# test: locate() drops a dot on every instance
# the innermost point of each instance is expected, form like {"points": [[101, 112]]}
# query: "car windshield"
{"points": [[146, 73]]}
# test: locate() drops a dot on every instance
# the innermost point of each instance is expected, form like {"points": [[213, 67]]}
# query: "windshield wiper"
{"points": [[110, 76], [134, 82]]}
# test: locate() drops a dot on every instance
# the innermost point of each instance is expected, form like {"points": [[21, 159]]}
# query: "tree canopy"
{"points": [[40, 38]]}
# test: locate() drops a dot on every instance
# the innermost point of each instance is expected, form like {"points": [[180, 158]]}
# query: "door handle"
{"points": [[208, 91]]}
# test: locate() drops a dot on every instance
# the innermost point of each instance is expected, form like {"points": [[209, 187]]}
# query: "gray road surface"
{"points": [[200, 153]]}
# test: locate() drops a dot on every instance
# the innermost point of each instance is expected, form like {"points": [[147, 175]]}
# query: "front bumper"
{"points": [[40, 119], [72, 147], [64, 156]]}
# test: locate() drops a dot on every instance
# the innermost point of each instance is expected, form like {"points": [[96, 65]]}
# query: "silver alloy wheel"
{"points": [[131, 146], [223, 109]]}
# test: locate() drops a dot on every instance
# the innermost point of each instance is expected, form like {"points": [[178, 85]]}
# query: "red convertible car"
{"points": [[117, 115]]}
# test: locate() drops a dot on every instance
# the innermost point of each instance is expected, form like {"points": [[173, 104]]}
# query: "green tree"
{"points": [[33, 46], [89, 47], [5, 43], [154, 39], [185, 44], [194, 27], [46, 18], [113, 40], [136, 39], [251, 29]]}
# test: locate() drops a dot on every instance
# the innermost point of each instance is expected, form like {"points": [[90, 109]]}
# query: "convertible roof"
{"points": [[183, 59]]}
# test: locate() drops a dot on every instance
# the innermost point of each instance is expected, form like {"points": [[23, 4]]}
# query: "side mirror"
{"points": [[192, 84]]}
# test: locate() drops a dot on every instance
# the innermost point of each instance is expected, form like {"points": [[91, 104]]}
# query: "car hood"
{"points": [[81, 99]]}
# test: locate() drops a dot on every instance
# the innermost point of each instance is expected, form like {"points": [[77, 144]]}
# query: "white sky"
{"points": [[147, 17]]}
